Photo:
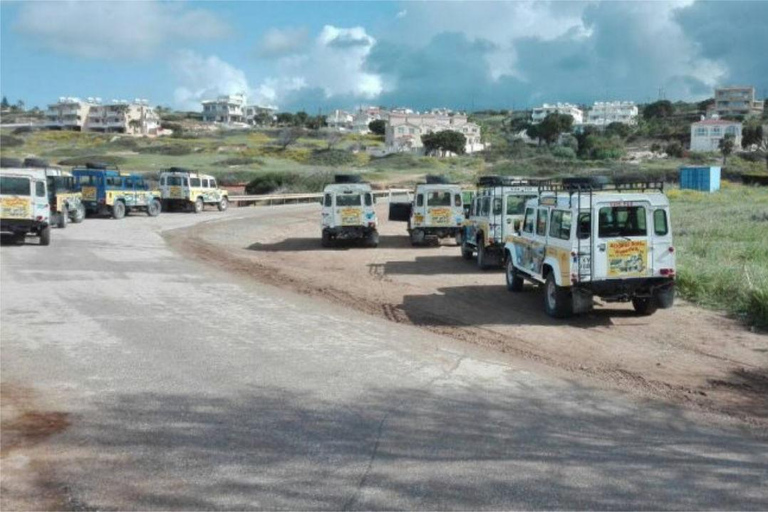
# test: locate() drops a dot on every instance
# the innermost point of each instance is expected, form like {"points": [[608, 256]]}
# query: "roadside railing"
{"points": [[281, 199]]}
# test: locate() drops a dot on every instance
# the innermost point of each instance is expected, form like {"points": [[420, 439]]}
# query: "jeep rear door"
{"points": [[621, 237], [349, 209], [663, 255]]}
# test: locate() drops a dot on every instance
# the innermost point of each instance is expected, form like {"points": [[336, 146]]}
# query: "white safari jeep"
{"points": [[586, 237], [348, 212], [24, 207], [494, 215], [188, 190], [436, 211]]}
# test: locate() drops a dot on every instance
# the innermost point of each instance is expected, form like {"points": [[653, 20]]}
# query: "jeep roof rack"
{"points": [[589, 184], [507, 181], [180, 169]]}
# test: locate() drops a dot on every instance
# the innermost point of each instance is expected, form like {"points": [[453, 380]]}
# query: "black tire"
{"points": [[482, 255], [645, 306], [79, 215], [61, 222], [154, 208], [45, 236], [35, 162], [558, 302], [326, 241], [417, 237], [223, 204], [118, 210], [467, 252], [514, 280], [199, 205], [665, 298], [372, 239], [458, 238]]}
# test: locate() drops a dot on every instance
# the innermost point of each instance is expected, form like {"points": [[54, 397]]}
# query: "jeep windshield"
{"points": [[13, 186], [174, 181], [621, 221], [348, 200], [442, 198]]}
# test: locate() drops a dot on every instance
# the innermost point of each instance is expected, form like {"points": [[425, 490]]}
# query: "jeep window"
{"points": [[516, 205], [584, 229], [541, 223], [348, 200], [497, 206], [530, 215], [114, 181], [368, 199], [174, 181], [438, 198], [212, 183], [328, 200], [660, 223], [40, 189], [89, 181], [10, 185], [185, 182], [485, 206], [420, 200], [457, 200], [194, 182], [560, 224], [162, 181], [621, 221]]}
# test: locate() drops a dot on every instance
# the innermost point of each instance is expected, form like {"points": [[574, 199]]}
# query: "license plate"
{"points": [[584, 264]]}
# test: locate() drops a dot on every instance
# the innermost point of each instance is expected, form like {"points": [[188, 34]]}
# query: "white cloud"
{"points": [[205, 78], [402, 14], [281, 42], [116, 29]]}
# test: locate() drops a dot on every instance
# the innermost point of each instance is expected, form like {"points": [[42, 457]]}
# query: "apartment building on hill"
{"points": [[404, 131], [736, 101], [539, 113], [90, 115], [707, 134]]}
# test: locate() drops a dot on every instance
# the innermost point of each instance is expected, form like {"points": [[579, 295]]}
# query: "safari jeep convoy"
{"points": [[24, 207], [107, 191], [495, 212], [435, 212], [348, 212], [187, 190], [587, 237]]}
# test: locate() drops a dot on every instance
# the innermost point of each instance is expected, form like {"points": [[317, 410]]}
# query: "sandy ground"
{"points": [[686, 354]]}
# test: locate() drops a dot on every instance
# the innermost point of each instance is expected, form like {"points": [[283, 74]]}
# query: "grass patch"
{"points": [[288, 182], [82, 160], [722, 249]]}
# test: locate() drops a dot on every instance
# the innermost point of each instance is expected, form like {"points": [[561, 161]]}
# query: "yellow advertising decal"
{"points": [[350, 217], [89, 193], [440, 216], [175, 193], [627, 258], [15, 208]]}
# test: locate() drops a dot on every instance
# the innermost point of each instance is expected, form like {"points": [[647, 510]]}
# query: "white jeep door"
{"points": [[42, 206], [663, 255], [621, 234], [439, 210]]}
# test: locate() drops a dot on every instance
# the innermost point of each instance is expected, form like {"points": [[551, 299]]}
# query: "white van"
{"points": [[24, 207], [348, 212], [436, 211], [586, 237]]}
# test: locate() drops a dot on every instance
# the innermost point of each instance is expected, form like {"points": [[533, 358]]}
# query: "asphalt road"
{"points": [[186, 388]]}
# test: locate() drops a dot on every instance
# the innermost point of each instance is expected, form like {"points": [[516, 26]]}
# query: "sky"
{"points": [[316, 56]]}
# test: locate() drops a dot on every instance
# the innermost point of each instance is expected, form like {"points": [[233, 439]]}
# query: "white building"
{"points": [[69, 113], [133, 118], [364, 116], [539, 113], [707, 134], [254, 114], [227, 109], [604, 113], [737, 101], [404, 131], [340, 120]]}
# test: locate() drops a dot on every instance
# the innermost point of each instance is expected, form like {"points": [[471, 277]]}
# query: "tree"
{"points": [[300, 119], [751, 135], [289, 136], [726, 146], [552, 126], [444, 141], [620, 129], [5, 103], [333, 138], [658, 110], [316, 122], [378, 126], [284, 118]]}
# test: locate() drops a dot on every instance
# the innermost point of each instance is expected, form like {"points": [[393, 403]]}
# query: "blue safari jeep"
{"points": [[107, 191]]}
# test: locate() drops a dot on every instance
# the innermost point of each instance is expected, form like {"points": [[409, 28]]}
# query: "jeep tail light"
{"points": [[671, 249], [667, 272], [574, 278], [39, 217]]}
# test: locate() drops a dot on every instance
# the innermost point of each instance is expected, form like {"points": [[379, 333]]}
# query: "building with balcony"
{"points": [[707, 134], [539, 113], [227, 109], [132, 118], [736, 101], [69, 113], [364, 116], [340, 120], [404, 131], [604, 113], [256, 114]]}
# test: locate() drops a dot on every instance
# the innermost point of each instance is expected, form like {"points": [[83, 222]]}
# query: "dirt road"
{"points": [[686, 355]]}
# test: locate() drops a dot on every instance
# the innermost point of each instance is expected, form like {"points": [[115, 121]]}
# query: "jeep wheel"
{"points": [[466, 251], [645, 306], [118, 210], [153, 209], [199, 205], [372, 239], [61, 223], [45, 236], [223, 204], [417, 237], [458, 239], [482, 255], [79, 214], [326, 240], [514, 279], [665, 298], [557, 300]]}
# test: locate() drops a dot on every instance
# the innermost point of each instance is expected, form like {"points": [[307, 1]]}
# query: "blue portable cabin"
{"points": [[94, 180], [705, 179]]}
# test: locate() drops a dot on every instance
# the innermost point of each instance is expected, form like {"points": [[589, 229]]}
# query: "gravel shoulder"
{"points": [[685, 355]]}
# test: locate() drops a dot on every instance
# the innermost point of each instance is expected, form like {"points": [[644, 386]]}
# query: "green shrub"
{"points": [[239, 160], [82, 160], [168, 150], [332, 158], [9, 141], [674, 149], [288, 182], [564, 153]]}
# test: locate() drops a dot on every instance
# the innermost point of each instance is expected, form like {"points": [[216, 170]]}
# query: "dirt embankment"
{"points": [[686, 355]]}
